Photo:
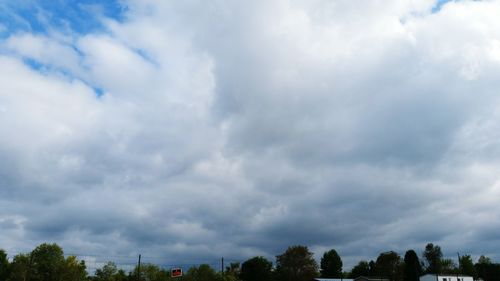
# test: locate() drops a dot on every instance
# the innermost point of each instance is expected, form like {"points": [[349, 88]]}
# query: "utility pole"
{"points": [[139, 269], [222, 265]]}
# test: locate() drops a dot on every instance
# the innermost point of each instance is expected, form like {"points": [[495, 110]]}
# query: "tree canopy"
{"points": [[4, 265], [466, 265], [296, 264], [388, 265], [412, 268], [331, 265], [433, 257], [256, 269], [48, 262], [361, 269]]}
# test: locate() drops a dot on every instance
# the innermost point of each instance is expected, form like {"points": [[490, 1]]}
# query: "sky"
{"points": [[194, 130]]}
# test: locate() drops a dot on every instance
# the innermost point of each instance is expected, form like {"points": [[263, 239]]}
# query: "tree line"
{"points": [[48, 263]]}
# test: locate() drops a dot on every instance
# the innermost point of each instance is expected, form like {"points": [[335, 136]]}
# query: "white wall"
{"points": [[432, 277]]}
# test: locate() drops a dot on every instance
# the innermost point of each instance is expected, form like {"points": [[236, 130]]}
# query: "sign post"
{"points": [[176, 272]]}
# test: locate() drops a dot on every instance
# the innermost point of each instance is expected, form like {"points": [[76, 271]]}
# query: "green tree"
{"points": [[151, 272], [74, 270], [361, 269], [4, 265], [448, 266], [226, 276], [484, 260], [121, 275], [148, 272], [20, 268], [47, 263], [487, 270], [388, 265], [234, 268], [296, 264], [433, 256], [466, 266], [412, 268], [232, 272], [106, 273], [331, 265], [256, 269], [202, 273]]}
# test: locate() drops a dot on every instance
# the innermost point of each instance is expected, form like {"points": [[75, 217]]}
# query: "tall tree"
{"points": [[20, 268], [256, 269], [47, 263], [331, 265], [4, 265], [296, 264], [388, 265], [412, 268], [373, 269], [361, 269], [433, 255], [466, 266]]}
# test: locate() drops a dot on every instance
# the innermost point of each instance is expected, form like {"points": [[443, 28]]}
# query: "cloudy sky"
{"points": [[192, 130]]}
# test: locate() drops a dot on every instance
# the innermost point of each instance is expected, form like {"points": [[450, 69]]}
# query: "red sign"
{"points": [[176, 272]]}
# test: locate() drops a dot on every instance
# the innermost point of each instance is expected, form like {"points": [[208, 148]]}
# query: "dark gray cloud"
{"points": [[237, 130]]}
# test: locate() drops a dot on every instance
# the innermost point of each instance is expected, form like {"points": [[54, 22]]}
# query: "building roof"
{"points": [[451, 274], [371, 278]]}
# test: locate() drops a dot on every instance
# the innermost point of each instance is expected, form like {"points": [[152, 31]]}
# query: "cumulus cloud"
{"points": [[204, 129]]}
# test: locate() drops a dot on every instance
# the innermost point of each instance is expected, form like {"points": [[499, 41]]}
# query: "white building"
{"points": [[444, 277]]}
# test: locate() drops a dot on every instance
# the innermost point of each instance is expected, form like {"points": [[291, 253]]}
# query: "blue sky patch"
{"points": [[63, 15], [439, 5]]}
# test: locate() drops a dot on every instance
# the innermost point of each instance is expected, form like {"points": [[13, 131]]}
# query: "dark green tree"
{"points": [[361, 269], [296, 264], [20, 268], [4, 265], [202, 273], [389, 265], [373, 269], [433, 256], [47, 263], [256, 269], [121, 275], [487, 270], [484, 260], [331, 265], [412, 268], [466, 266]]}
